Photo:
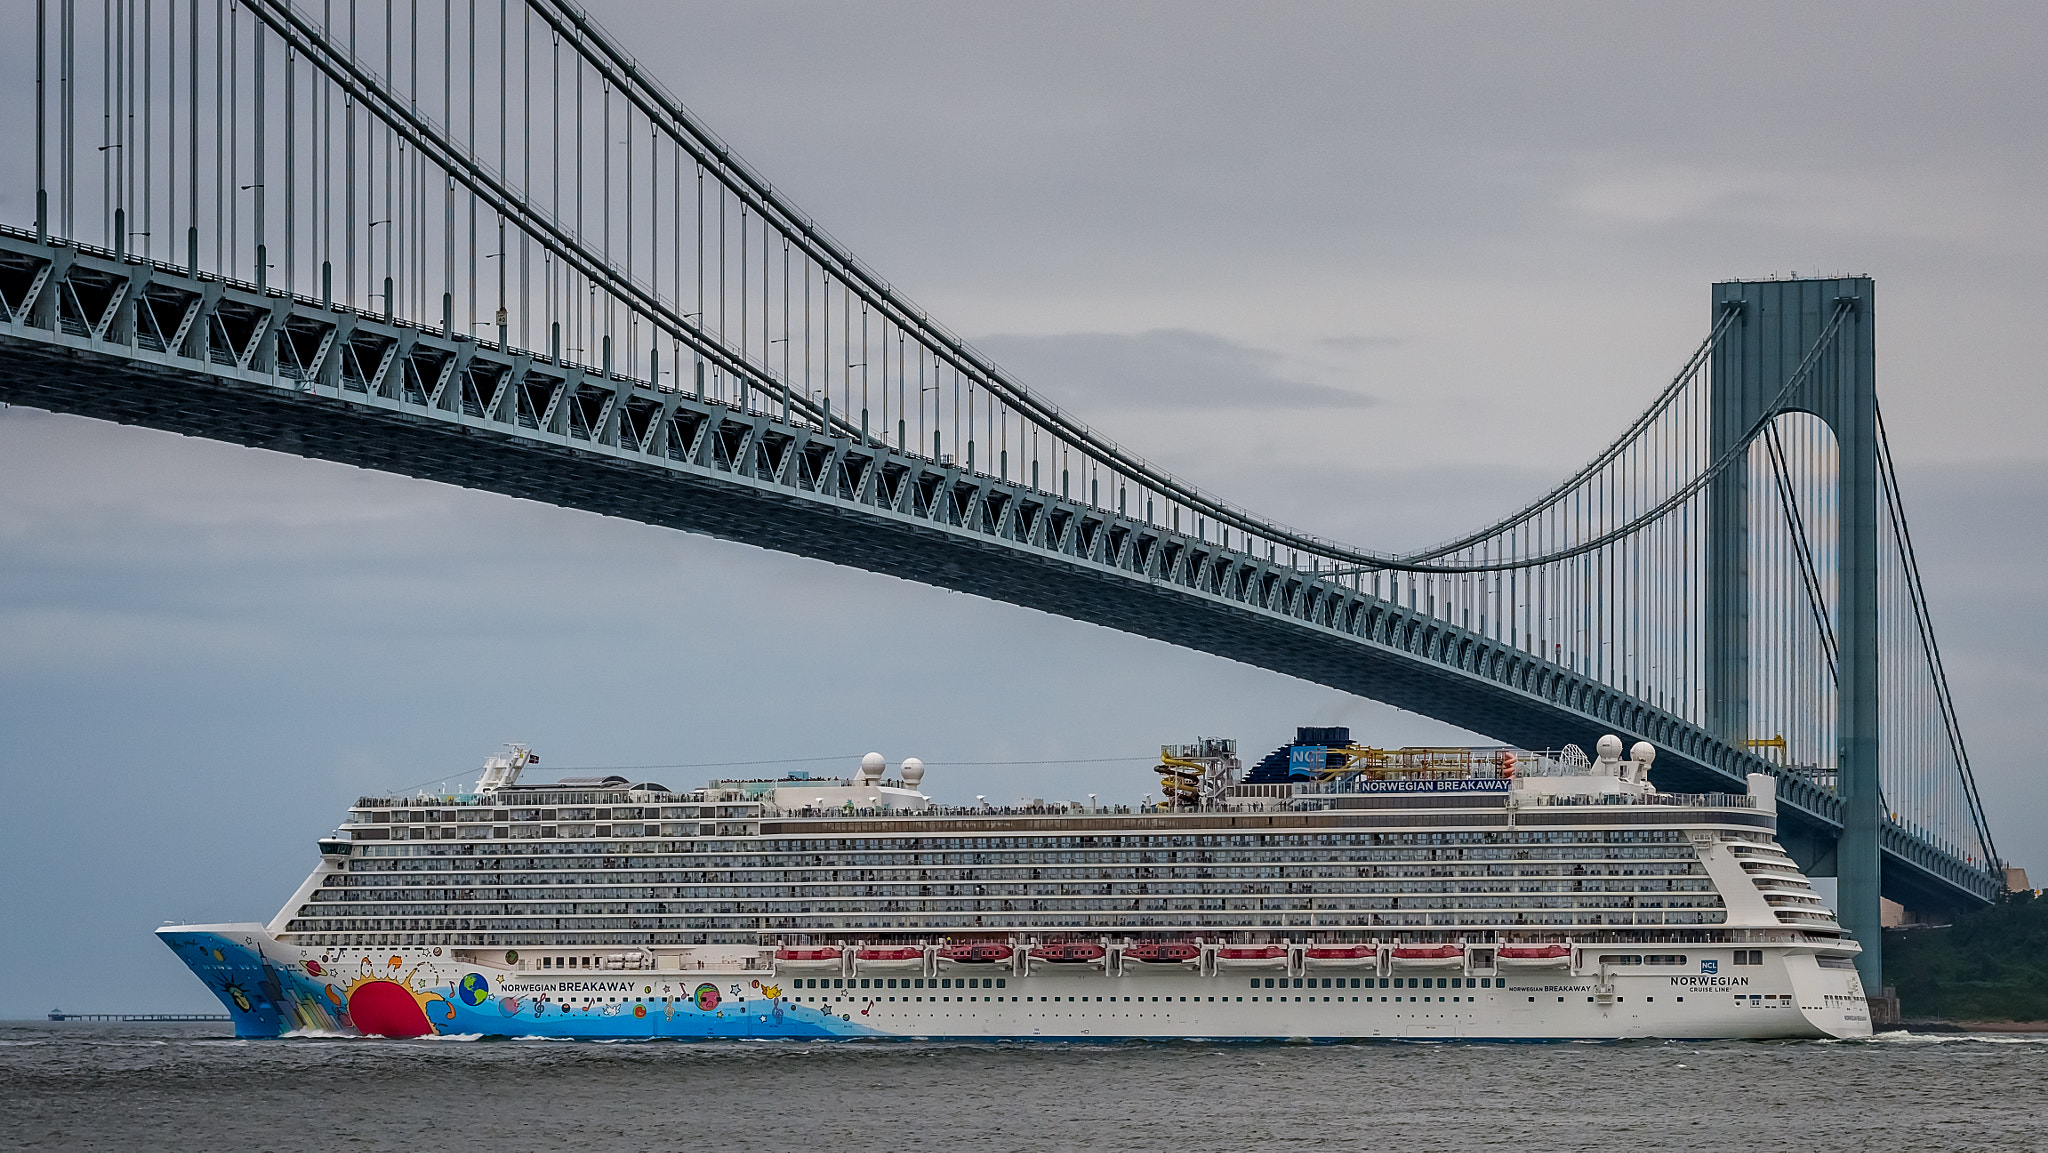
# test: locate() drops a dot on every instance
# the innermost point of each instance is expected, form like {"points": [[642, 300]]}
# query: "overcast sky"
{"points": [[1379, 271]]}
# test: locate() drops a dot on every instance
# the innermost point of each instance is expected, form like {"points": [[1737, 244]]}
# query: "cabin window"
{"points": [[919, 982], [863, 982], [892, 982], [1002, 982], [946, 984]]}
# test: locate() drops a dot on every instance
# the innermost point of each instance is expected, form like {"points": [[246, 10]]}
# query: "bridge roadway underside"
{"points": [[93, 378]]}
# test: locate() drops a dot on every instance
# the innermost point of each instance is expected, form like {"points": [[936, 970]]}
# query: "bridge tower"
{"points": [[1779, 325]]}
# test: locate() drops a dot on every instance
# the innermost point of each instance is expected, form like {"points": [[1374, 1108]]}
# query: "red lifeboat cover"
{"points": [[1429, 952], [805, 953], [976, 952], [889, 953], [1251, 952], [1340, 952], [1162, 952], [1532, 952], [1070, 952]]}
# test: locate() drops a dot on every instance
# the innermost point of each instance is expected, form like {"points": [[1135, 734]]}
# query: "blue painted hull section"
{"points": [[271, 997]]}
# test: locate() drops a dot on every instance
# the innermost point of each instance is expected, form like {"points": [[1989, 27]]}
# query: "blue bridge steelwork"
{"points": [[1725, 581]]}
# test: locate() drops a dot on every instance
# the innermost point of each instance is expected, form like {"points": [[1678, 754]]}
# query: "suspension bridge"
{"points": [[479, 243]]}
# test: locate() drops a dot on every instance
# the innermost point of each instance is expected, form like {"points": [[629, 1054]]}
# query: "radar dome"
{"points": [[871, 767], [1609, 748], [913, 771], [1643, 753]]}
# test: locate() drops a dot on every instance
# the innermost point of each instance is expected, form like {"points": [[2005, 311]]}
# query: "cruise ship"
{"points": [[1332, 891]]}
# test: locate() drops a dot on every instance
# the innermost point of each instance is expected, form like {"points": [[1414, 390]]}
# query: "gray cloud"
{"points": [[1186, 371]]}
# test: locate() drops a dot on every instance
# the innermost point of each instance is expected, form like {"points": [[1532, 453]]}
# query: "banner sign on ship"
{"points": [[1450, 786], [1307, 760]]}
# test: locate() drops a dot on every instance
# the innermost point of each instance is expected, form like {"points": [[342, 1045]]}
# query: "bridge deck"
{"points": [[288, 374]]}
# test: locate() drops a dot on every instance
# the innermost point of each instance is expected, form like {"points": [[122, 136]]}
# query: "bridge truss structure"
{"points": [[479, 243]]}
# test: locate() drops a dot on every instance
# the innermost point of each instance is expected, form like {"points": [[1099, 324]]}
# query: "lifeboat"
{"points": [[807, 957], [1429, 956], [890, 957], [976, 953], [1531, 956], [1343, 956], [1251, 957], [1162, 952], [1069, 952]]}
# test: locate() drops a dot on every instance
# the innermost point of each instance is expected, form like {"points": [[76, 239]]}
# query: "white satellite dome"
{"points": [[871, 767], [1608, 750], [913, 771]]}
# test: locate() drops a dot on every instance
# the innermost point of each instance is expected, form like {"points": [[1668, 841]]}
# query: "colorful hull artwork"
{"points": [[271, 992]]}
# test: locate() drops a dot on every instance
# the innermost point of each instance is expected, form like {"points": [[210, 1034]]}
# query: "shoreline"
{"points": [[1936, 1025]]}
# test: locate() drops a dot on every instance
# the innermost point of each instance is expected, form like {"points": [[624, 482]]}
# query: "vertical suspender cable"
{"points": [[42, 123], [291, 164], [256, 78], [348, 170], [67, 112], [148, 101]]}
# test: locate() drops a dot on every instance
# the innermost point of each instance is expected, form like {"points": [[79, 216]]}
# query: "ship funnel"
{"points": [[1764, 787]]}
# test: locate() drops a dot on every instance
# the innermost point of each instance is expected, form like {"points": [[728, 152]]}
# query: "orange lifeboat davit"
{"points": [[976, 953], [807, 957], [890, 956], [1163, 952], [1429, 956], [1251, 957], [1532, 956], [1342, 956], [1069, 952]]}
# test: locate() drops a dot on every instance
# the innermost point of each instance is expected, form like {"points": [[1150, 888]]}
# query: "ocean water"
{"points": [[95, 1086]]}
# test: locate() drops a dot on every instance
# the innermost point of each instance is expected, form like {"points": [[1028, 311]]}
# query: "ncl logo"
{"points": [[1710, 966]]}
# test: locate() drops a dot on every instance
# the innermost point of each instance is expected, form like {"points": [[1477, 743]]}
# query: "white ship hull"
{"points": [[275, 988]]}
